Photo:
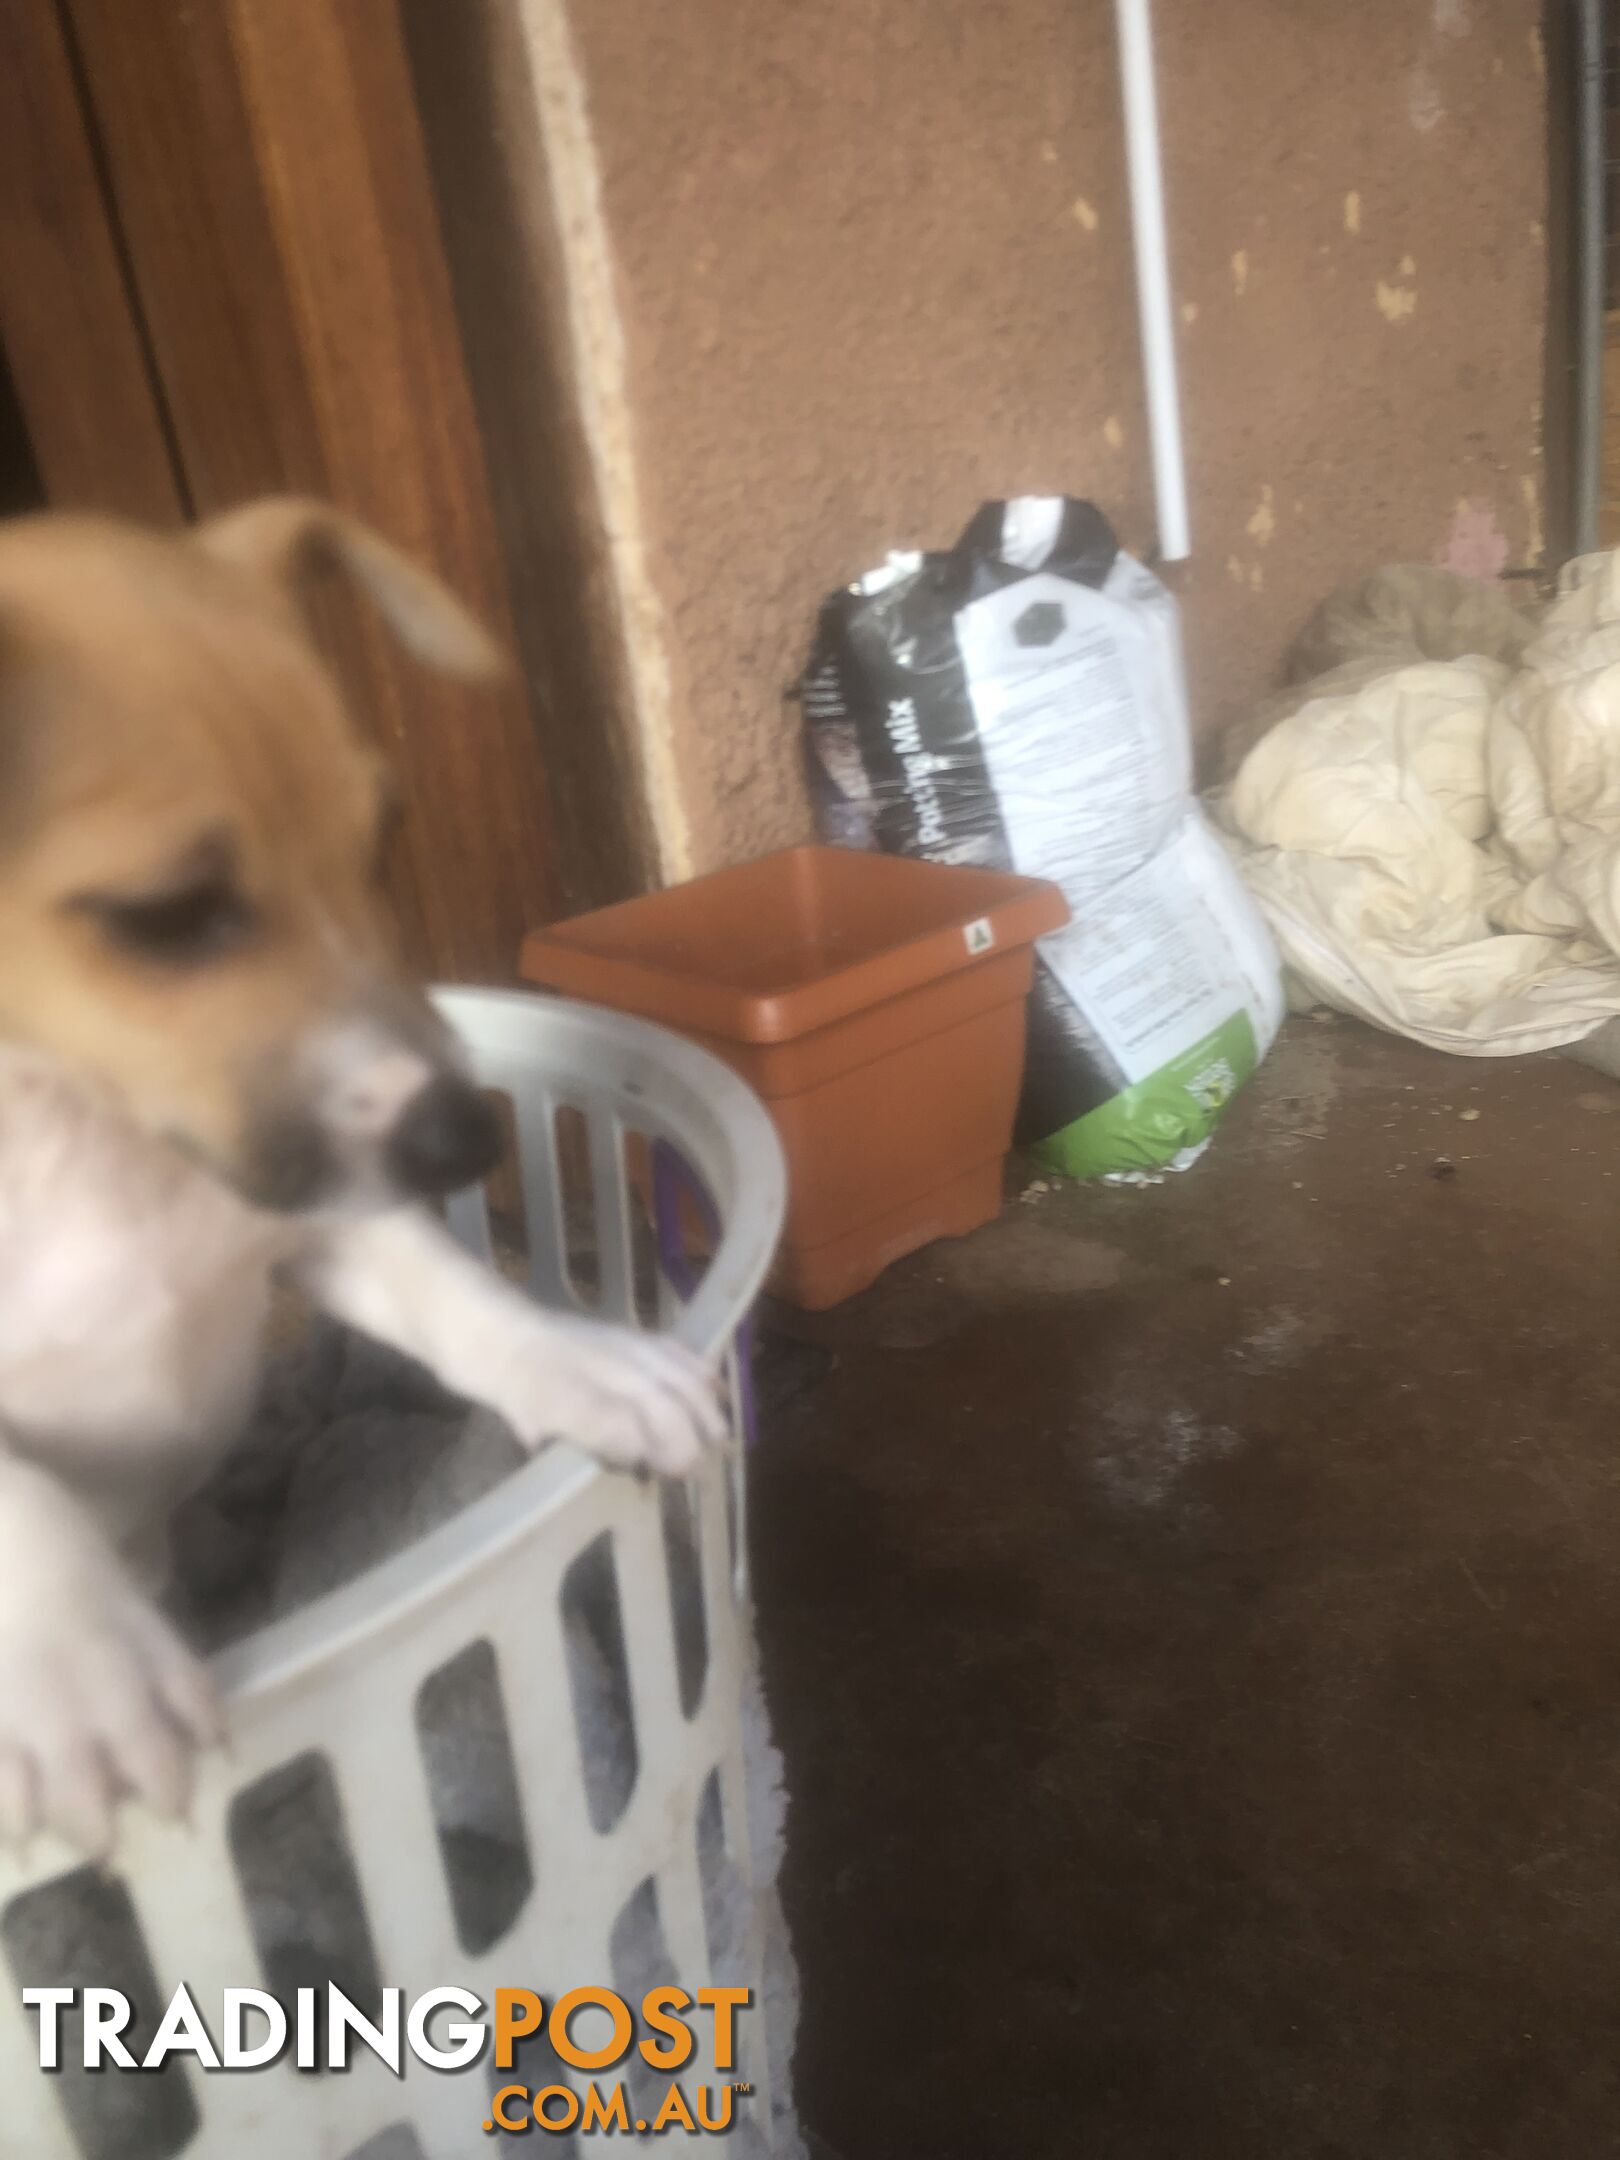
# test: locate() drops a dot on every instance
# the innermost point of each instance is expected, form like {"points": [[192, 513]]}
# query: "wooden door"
{"points": [[221, 273]]}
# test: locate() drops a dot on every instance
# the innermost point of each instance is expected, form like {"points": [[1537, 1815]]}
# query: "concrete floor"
{"points": [[1193, 1623]]}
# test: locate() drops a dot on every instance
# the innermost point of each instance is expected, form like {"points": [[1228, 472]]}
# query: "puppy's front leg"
{"points": [[631, 1398], [98, 1695]]}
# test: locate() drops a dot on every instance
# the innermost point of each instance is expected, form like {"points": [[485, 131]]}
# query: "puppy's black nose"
{"points": [[446, 1137]]}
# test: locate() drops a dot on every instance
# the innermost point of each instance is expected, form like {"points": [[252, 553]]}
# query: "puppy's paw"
{"points": [[99, 1700], [633, 1400]]}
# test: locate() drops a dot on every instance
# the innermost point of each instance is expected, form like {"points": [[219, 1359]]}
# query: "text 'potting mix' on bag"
{"points": [[1018, 703]]}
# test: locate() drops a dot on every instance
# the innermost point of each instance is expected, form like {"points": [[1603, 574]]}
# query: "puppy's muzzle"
{"points": [[442, 1136], [446, 1137]]}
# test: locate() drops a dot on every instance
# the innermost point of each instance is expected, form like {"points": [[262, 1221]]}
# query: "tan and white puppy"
{"points": [[213, 1067]]}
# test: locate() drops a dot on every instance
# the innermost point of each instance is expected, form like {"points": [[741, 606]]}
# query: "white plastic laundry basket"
{"points": [[341, 1679]]}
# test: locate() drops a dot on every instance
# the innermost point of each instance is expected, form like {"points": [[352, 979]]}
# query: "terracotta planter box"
{"points": [[876, 1004]]}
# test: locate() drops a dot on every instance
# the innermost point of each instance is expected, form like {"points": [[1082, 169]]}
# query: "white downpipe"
{"points": [[1153, 275], [1590, 279]]}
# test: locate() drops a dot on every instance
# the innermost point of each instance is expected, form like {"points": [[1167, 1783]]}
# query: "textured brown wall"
{"points": [[874, 263]]}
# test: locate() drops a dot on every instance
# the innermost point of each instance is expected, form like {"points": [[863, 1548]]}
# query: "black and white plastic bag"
{"points": [[1018, 703]]}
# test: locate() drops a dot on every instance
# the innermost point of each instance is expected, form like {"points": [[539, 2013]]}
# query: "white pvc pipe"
{"points": [[1153, 275], [1591, 277]]}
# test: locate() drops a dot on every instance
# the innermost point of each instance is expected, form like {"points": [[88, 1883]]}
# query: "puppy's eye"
{"points": [[198, 922]]}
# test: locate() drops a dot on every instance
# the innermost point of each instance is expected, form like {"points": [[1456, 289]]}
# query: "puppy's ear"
{"points": [[297, 543]]}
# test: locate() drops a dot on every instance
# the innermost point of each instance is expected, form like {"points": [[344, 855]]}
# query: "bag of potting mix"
{"points": [[1018, 703]]}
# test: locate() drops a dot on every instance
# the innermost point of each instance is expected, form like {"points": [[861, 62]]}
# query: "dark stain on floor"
{"points": [[1192, 1619]]}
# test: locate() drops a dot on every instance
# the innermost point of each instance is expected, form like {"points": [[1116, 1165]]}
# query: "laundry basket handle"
{"points": [[654, 1081], [675, 1187]]}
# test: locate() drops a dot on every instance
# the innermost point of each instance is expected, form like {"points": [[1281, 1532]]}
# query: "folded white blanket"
{"points": [[1437, 847]]}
